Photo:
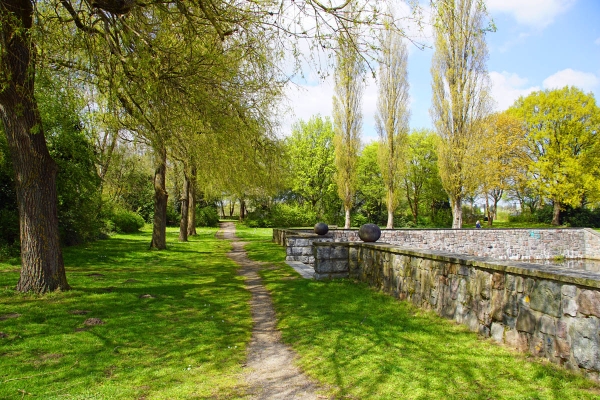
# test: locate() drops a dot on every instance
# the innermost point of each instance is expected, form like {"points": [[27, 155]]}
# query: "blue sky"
{"points": [[539, 44]]}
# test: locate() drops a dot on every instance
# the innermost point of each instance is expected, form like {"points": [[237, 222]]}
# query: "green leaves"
{"points": [[561, 128]]}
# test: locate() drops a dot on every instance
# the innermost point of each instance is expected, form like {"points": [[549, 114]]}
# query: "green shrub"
{"points": [[207, 217], [281, 215], [358, 220], [127, 221], [173, 217]]}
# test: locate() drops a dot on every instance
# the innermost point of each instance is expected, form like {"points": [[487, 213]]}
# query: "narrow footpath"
{"points": [[271, 370]]}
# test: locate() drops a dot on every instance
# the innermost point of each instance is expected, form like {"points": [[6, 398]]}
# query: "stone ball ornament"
{"points": [[369, 233], [321, 228]]}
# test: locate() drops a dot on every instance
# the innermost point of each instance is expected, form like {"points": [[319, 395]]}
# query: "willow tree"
{"points": [[392, 115], [120, 36], [460, 99], [561, 128], [347, 119]]}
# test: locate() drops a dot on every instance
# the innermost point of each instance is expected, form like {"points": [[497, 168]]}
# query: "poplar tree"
{"points": [[460, 99], [347, 119], [392, 115]]}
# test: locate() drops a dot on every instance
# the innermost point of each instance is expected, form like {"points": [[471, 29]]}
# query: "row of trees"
{"points": [[541, 151], [194, 86], [544, 147], [195, 82]]}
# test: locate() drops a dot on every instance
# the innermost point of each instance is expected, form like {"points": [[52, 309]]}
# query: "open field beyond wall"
{"points": [[177, 323]]}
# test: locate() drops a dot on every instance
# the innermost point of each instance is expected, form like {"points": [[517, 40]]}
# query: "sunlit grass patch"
{"points": [[368, 345], [164, 324]]}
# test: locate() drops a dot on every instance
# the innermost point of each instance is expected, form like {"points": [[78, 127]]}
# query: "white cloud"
{"points": [[306, 101], [534, 13], [369, 108], [583, 80], [508, 87]]}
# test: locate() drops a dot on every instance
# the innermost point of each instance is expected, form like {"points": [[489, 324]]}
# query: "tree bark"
{"points": [[242, 210], [347, 219], [390, 220], [185, 198], [487, 210], [457, 213], [556, 214], [159, 231], [191, 227], [42, 266]]}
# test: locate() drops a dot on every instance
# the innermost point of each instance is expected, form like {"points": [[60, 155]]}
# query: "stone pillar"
{"points": [[331, 260]]}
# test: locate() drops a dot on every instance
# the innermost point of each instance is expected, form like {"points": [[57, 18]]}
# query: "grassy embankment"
{"points": [[176, 324], [367, 345]]}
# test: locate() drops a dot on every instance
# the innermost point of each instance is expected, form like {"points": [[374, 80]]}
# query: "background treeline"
{"points": [[97, 197]]}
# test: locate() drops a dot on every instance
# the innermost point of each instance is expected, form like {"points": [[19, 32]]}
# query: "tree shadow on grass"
{"points": [[369, 345]]}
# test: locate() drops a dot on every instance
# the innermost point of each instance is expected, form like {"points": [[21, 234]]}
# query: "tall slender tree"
{"points": [[392, 115], [347, 118], [460, 94]]}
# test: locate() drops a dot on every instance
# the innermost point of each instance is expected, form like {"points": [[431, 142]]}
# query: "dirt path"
{"points": [[271, 370]]}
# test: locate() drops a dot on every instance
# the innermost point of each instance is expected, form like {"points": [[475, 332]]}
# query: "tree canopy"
{"points": [[561, 128]]}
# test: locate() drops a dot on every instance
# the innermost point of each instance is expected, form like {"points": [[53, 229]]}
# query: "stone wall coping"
{"points": [[302, 230], [565, 275]]}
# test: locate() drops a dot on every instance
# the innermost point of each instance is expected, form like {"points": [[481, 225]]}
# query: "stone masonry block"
{"points": [[584, 342], [569, 290], [569, 306], [547, 325], [526, 321], [497, 332], [546, 298], [322, 252], [339, 252], [589, 302], [516, 340]]}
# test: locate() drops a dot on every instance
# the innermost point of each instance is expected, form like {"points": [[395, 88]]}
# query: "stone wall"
{"points": [[501, 244], [298, 243], [550, 312]]}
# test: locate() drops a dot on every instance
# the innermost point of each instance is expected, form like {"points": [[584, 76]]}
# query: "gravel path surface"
{"points": [[271, 370]]}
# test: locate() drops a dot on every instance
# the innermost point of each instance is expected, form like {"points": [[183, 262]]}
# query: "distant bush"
{"points": [[358, 220], [126, 221], [173, 217], [207, 216], [523, 217], [281, 215]]}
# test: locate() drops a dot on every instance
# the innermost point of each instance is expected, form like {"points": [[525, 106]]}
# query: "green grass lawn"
{"points": [[367, 345], [176, 324]]}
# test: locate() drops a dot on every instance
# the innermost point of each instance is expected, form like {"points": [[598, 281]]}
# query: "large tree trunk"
{"points": [[390, 209], [457, 213], [242, 210], [159, 231], [488, 211], [347, 219], [42, 267], [556, 214], [390, 220], [185, 198], [191, 228]]}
